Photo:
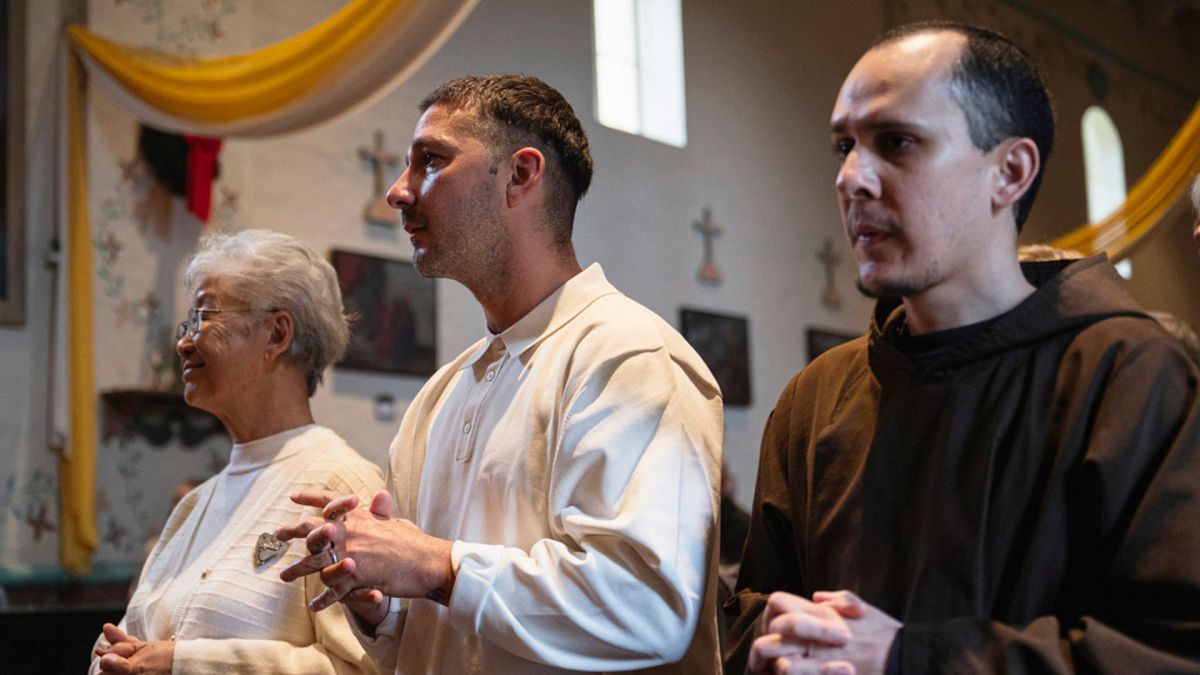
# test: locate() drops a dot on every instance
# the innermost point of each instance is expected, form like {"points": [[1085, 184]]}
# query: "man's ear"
{"points": [[528, 170], [283, 331], [1017, 165]]}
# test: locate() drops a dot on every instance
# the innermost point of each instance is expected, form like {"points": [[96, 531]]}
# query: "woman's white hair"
{"points": [[272, 270], [1196, 193]]}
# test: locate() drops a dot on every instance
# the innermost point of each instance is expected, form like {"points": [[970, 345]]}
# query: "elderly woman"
{"points": [[266, 319]]}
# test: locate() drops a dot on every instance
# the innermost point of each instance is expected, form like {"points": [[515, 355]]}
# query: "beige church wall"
{"points": [[749, 159], [28, 470], [744, 160], [761, 80]]}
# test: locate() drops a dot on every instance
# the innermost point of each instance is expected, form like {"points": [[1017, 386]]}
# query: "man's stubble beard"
{"points": [[475, 252], [901, 288]]}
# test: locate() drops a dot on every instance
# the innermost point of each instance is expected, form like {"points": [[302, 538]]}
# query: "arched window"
{"points": [[1104, 168], [639, 68], [1104, 164]]}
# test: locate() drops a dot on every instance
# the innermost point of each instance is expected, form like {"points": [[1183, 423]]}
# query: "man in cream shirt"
{"points": [[555, 487]]}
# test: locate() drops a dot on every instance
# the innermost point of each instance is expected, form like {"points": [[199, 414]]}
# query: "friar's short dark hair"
{"points": [[1001, 92]]}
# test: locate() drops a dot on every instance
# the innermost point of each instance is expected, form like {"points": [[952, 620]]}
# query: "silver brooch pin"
{"points": [[268, 549]]}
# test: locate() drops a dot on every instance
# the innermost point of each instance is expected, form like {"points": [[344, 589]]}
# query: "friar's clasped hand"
{"points": [[834, 633]]}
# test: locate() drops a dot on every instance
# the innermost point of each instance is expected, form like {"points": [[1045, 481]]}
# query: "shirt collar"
{"points": [[550, 314], [260, 452]]}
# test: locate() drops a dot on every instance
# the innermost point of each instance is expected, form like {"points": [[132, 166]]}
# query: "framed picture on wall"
{"points": [[821, 341], [723, 342], [12, 165], [395, 326]]}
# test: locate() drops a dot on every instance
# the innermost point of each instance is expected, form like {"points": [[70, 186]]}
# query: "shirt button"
{"points": [[204, 574], [491, 375], [467, 428]]}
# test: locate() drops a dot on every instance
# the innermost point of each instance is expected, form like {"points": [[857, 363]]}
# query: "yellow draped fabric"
{"points": [[345, 62], [77, 467], [245, 85], [1164, 185], [356, 54]]}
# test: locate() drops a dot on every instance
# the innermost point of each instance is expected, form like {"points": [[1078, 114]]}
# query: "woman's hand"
{"points": [[119, 642], [128, 654]]}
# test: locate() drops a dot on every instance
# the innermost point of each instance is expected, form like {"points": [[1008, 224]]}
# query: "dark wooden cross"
{"points": [[39, 522], [130, 169], [377, 211], [829, 259], [115, 534], [709, 274]]}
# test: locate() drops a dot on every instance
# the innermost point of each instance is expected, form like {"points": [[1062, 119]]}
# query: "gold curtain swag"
{"points": [[353, 57], [245, 85], [357, 54], [1163, 185]]}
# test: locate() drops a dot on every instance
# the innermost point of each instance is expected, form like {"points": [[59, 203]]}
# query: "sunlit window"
{"points": [[1104, 169], [1104, 164], [639, 68]]}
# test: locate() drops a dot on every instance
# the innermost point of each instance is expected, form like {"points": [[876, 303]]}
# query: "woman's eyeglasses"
{"points": [[195, 320]]}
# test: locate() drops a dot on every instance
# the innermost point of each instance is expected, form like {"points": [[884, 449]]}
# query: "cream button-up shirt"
{"points": [[575, 461]]}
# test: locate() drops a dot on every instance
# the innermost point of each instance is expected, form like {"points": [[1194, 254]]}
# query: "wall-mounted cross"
{"points": [[709, 274], [829, 259], [115, 534], [39, 522], [377, 211]]}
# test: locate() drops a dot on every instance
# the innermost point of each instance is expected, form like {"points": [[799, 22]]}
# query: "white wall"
{"points": [[761, 78], [28, 478], [769, 188]]}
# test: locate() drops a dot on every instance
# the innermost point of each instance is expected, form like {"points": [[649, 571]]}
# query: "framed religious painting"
{"points": [[394, 326], [723, 341], [821, 341], [12, 165]]}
